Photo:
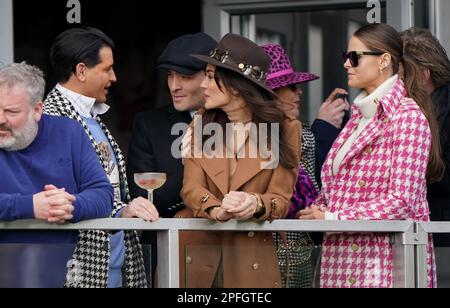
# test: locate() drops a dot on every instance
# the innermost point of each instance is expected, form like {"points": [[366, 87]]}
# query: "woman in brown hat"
{"points": [[239, 186]]}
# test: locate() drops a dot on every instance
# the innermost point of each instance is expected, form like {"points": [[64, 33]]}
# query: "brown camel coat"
{"points": [[237, 260]]}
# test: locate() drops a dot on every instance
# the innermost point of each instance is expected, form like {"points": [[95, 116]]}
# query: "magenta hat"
{"points": [[281, 73]]}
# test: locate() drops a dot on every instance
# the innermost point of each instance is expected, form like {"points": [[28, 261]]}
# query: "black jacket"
{"points": [[150, 151], [439, 193], [325, 134]]}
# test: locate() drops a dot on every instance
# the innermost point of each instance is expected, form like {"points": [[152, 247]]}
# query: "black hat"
{"points": [[177, 55], [241, 55]]}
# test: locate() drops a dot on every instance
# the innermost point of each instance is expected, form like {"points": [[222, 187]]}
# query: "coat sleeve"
{"points": [[277, 198], [406, 198], [194, 193], [16, 207]]}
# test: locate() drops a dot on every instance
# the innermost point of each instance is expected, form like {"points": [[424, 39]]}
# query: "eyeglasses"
{"points": [[354, 56]]}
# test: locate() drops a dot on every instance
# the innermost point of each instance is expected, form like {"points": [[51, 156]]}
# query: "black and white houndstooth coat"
{"points": [[90, 264], [308, 154]]}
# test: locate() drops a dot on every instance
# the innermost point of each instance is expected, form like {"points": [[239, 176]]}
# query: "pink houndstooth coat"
{"points": [[383, 177]]}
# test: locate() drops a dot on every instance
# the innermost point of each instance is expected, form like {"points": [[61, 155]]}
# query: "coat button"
{"points": [[188, 260], [355, 248], [352, 281], [362, 184], [385, 121], [251, 234], [255, 266], [369, 150]]}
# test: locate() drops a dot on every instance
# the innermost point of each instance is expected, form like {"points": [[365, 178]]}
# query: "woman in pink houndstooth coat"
{"points": [[379, 166]]}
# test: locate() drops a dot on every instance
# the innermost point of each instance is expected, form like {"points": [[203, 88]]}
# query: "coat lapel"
{"points": [[368, 136], [387, 108], [218, 171], [246, 169], [327, 170]]}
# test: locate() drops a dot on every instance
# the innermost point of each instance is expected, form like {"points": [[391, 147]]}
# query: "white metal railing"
{"points": [[405, 238], [423, 232]]}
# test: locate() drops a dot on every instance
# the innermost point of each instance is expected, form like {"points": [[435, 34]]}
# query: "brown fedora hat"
{"points": [[241, 55]]}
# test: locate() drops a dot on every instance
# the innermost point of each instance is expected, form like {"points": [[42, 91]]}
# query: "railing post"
{"points": [[168, 259], [421, 257], [403, 253]]}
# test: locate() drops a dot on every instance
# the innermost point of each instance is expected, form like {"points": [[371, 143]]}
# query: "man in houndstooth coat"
{"points": [[83, 62]]}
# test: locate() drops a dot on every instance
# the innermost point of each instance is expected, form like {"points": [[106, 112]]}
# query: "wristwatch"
{"points": [[260, 208]]}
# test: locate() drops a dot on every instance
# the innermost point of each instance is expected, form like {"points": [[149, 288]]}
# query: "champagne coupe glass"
{"points": [[150, 182]]}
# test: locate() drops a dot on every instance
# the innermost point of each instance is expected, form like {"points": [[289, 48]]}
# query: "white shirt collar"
{"points": [[85, 106]]}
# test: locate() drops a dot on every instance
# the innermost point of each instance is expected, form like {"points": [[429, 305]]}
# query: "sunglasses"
{"points": [[353, 56]]}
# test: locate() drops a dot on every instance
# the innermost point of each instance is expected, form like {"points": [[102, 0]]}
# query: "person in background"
{"points": [[49, 173], [429, 62], [151, 139], [83, 61]]}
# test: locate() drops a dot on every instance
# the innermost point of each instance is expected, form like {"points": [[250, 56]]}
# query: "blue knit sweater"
{"points": [[61, 155]]}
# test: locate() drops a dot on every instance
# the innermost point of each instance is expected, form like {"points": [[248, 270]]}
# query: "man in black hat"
{"points": [[151, 142]]}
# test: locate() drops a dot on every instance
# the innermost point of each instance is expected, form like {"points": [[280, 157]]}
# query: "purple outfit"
{"points": [[281, 72], [304, 194]]}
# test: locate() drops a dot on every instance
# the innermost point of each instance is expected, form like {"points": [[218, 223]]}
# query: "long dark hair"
{"points": [[263, 106], [384, 38], [426, 51]]}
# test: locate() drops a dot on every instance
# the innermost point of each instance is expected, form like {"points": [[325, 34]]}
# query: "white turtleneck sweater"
{"points": [[366, 104]]}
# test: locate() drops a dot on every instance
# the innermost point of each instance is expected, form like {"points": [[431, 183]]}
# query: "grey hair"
{"points": [[29, 77]]}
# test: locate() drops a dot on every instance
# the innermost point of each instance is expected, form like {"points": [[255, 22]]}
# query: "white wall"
{"points": [[443, 23], [6, 32], [400, 14], [315, 39]]}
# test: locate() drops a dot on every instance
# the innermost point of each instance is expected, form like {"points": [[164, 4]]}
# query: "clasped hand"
{"points": [[237, 205], [53, 205]]}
